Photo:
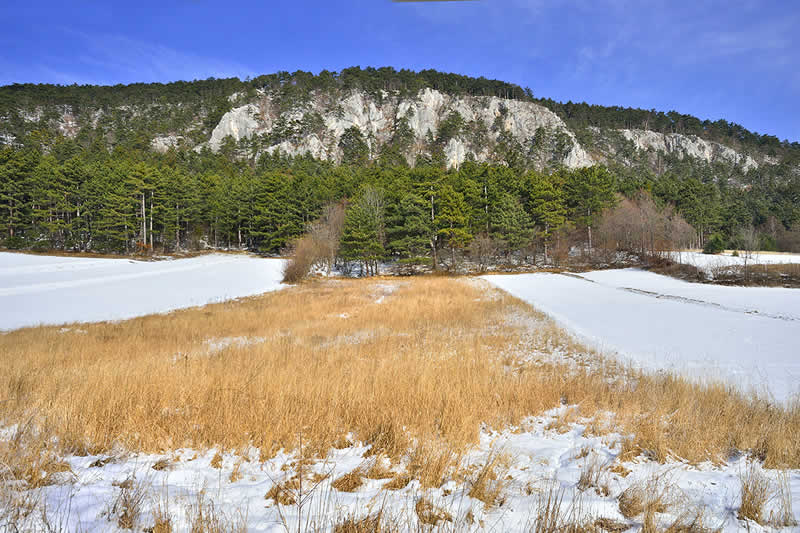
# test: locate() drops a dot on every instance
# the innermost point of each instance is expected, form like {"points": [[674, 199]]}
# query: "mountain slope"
{"points": [[402, 115]]}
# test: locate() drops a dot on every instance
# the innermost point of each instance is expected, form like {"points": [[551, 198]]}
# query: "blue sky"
{"points": [[737, 60]]}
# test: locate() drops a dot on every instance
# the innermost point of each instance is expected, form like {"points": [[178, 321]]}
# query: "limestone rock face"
{"points": [[239, 123], [162, 144], [688, 146], [378, 118]]}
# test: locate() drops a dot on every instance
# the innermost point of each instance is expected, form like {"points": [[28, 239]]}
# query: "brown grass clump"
{"points": [[284, 493], [368, 524], [610, 525], [28, 458], [398, 482], [420, 376], [349, 482], [216, 461], [127, 506], [378, 470], [490, 482], [755, 493], [162, 521], [161, 464], [430, 514], [647, 498]]}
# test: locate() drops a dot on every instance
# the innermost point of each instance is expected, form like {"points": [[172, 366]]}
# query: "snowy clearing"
{"points": [[708, 262], [542, 456], [37, 290], [746, 336]]}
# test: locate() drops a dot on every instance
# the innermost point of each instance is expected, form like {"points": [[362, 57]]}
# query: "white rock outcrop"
{"points": [[163, 143], [376, 121], [239, 123], [688, 146]]}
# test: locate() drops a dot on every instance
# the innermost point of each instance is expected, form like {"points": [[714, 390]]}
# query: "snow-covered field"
{"points": [[708, 262], [747, 336], [37, 289], [540, 457]]}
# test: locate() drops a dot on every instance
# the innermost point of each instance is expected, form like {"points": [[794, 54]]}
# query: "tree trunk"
{"points": [[151, 221], [144, 224]]}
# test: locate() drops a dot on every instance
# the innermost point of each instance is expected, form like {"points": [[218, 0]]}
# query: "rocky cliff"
{"points": [[481, 124]]}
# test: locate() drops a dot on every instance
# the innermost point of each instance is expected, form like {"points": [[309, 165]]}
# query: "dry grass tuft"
{"points": [[126, 508], [590, 474], [216, 461], [368, 524], [162, 521], [30, 459], [349, 482], [398, 482], [378, 470], [161, 464], [647, 498], [610, 525], [489, 484], [236, 473], [430, 514], [284, 493], [553, 516], [432, 464], [755, 494]]}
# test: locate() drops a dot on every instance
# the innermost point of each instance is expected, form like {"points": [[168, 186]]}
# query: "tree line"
{"points": [[65, 197]]}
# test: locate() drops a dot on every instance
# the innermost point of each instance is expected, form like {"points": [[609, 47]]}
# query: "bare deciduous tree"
{"points": [[639, 226]]}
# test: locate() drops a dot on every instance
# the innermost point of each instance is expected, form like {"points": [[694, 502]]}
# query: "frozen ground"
{"points": [[708, 262], [38, 289], [548, 453], [747, 336]]}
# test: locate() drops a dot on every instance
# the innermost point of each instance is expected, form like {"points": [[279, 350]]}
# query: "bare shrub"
{"points": [[318, 247], [481, 250], [637, 225], [304, 255]]}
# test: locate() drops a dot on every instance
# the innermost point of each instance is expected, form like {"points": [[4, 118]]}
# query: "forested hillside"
{"points": [[429, 166]]}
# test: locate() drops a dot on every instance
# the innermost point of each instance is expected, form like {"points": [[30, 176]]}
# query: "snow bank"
{"points": [[38, 290], [745, 336], [707, 262]]}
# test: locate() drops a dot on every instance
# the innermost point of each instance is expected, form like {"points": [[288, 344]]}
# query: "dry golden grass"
{"points": [[489, 483], [415, 376], [430, 514], [349, 482]]}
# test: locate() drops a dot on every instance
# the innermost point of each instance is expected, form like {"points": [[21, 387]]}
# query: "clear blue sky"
{"points": [[737, 60]]}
